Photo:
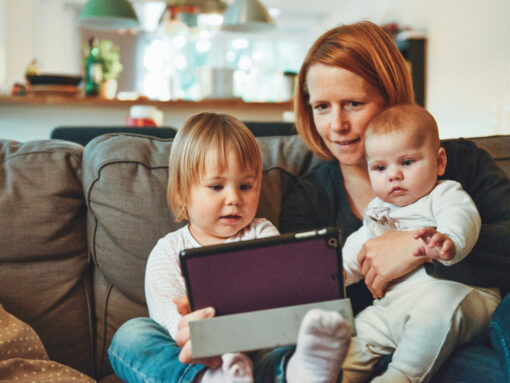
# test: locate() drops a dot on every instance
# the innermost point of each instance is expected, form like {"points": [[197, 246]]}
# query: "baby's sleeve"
{"points": [[350, 251], [456, 216]]}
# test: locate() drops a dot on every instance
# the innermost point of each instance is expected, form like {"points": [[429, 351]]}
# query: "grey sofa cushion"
{"points": [[499, 149], [43, 249], [125, 182]]}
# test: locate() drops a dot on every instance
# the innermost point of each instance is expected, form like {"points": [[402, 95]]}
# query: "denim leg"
{"points": [[471, 364], [269, 364], [499, 329], [143, 351]]}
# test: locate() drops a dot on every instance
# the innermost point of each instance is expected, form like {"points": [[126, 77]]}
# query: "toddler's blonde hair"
{"points": [[201, 133]]}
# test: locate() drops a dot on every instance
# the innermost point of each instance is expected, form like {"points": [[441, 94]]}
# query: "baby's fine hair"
{"points": [[403, 118], [201, 133]]}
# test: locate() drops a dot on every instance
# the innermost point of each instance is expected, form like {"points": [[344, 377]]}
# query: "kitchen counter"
{"points": [[33, 117]]}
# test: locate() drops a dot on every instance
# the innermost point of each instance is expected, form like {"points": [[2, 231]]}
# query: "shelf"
{"points": [[94, 101]]}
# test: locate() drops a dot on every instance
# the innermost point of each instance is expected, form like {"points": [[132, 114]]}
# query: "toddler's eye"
{"points": [[379, 168], [407, 162], [215, 187], [246, 187]]}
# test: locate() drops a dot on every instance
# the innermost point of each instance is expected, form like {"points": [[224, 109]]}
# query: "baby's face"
{"points": [[402, 168]]}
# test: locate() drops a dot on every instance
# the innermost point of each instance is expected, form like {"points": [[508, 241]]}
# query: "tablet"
{"points": [[285, 270]]}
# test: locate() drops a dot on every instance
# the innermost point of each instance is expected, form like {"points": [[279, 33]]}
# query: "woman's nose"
{"points": [[339, 121]]}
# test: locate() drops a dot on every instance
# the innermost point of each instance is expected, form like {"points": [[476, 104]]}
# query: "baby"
{"points": [[421, 318]]}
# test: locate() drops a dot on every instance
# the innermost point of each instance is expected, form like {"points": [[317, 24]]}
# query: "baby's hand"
{"points": [[437, 245]]}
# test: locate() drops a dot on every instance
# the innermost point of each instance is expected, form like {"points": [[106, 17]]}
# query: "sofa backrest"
{"points": [[44, 264], [499, 149]]}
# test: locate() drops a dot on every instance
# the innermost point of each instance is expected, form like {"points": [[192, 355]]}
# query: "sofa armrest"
{"points": [[500, 333]]}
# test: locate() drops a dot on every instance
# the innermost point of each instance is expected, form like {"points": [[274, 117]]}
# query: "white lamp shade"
{"points": [[247, 16]]}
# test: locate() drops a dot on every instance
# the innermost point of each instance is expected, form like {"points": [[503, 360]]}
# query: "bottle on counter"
{"points": [[93, 69]]}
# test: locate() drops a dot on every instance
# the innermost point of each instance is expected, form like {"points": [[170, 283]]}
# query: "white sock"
{"points": [[236, 368], [322, 344]]}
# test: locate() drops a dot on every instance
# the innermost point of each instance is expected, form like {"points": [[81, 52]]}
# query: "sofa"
{"points": [[78, 223]]}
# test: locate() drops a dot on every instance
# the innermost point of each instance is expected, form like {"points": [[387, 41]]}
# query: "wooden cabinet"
{"points": [[413, 48]]}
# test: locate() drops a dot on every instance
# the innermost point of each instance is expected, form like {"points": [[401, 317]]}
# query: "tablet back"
{"points": [[286, 270]]}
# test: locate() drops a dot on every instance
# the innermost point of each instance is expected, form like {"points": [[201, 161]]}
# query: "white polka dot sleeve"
{"points": [[164, 282]]}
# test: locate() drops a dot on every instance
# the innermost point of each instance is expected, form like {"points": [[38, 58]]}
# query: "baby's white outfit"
{"points": [[163, 276], [421, 318]]}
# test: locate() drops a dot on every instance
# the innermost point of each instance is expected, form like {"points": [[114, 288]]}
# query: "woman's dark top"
{"points": [[320, 200]]}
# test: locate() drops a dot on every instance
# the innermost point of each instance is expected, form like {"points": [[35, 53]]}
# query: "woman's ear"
{"points": [[441, 161]]}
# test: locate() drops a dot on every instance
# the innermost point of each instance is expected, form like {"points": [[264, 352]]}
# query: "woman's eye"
{"points": [[354, 105], [320, 107]]}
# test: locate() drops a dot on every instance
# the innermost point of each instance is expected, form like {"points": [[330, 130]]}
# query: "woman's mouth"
{"points": [[346, 143]]}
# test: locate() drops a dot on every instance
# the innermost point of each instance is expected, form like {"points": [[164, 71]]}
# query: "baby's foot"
{"points": [[236, 368], [322, 344]]}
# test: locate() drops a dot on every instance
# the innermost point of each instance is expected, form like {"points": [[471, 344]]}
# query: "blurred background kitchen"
{"points": [[180, 60]]}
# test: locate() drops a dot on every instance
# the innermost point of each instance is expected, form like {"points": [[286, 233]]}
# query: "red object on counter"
{"points": [[139, 122]]}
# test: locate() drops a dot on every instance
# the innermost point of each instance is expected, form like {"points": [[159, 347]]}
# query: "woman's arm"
{"points": [[381, 261], [488, 264]]}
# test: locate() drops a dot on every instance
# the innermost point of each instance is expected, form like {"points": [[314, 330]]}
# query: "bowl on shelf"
{"points": [[54, 79]]}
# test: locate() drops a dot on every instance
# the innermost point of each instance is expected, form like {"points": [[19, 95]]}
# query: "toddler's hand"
{"points": [[183, 339], [182, 304], [437, 245]]}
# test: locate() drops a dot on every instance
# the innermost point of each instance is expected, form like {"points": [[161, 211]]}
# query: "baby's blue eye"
{"points": [[407, 162]]}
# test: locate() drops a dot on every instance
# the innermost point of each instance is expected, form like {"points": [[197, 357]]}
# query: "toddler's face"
{"points": [[402, 168], [223, 201]]}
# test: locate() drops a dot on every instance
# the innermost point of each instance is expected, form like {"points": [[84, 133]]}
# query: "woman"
{"points": [[350, 75]]}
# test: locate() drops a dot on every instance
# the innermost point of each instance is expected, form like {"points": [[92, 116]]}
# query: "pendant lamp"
{"points": [[108, 15], [247, 16]]}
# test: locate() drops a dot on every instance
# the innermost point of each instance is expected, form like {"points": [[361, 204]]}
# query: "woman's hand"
{"points": [[388, 257], [183, 334]]}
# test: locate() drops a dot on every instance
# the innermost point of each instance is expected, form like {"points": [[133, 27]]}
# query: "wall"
{"points": [[468, 58], [468, 66]]}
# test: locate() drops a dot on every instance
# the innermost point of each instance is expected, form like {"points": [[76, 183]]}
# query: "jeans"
{"points": [[143, 351]]}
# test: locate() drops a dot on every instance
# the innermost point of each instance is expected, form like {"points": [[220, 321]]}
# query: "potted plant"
{"points": [[109, 57]]}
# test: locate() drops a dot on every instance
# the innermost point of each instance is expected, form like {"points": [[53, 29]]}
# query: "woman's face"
{"points": [[343, 104]]}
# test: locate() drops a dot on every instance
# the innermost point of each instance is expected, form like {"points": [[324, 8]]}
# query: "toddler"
{"points": [[421, 318], [215, 174]]}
